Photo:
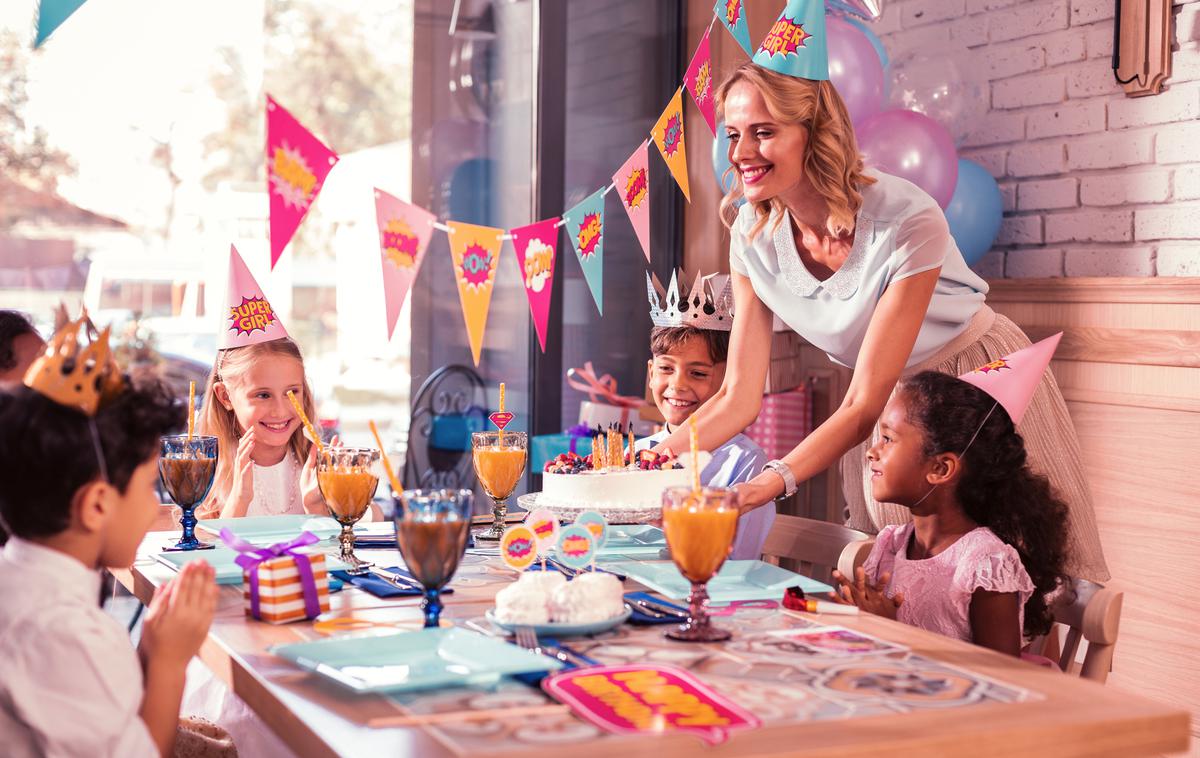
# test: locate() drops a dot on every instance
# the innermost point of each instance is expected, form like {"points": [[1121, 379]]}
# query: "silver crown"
{"points": [[708, 306]]}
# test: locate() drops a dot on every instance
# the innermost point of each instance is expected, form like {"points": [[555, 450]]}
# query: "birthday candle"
{"points": [[597, 454], [631, 461]]}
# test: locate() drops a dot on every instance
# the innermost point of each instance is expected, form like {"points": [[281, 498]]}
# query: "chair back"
{"points": [[1093, 615], [815, 548], [449, 406]]}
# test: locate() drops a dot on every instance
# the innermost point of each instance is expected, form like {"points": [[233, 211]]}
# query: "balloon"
{"points": [[855, 69], [868, 10], [884, 59], [946, 85], [975, 211], [914, 147], [720, 160]]}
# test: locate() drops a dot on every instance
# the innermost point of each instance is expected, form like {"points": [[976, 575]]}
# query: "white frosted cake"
{"points": [[625, 495], [589, 597]]}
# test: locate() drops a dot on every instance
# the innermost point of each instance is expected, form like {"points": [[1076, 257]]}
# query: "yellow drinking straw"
{"points": [[307, 424], [695, 440], [395, 480], [632, 462], [191, 409]]}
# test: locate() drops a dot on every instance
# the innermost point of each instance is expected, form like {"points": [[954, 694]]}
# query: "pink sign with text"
{"points": [[297, 164]]}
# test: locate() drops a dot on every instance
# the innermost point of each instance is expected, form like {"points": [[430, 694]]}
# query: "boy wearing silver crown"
{"points": [[689, 346]]}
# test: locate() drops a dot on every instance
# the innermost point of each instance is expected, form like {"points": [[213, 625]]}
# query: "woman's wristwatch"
{"points": [[789, 479]]}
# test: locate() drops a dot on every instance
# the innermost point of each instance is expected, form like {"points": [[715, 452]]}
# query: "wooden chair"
{"points": [[817, 547], [1095, 616]]}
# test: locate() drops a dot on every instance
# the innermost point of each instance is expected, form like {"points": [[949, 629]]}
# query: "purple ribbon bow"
{"points": [[252, 555], [577, 432]]}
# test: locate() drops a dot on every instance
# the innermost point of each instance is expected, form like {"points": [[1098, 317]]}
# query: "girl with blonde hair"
{"points": [[862, 265]]}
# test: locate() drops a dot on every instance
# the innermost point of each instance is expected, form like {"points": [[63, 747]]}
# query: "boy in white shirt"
{"points": [[80, 446]]}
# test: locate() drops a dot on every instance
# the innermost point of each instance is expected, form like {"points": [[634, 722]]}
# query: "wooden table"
{"points": [[317, 718]]}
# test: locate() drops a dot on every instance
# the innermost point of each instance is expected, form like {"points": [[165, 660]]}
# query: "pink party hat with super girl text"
{"points": [[249, 317], [1013, 379]]}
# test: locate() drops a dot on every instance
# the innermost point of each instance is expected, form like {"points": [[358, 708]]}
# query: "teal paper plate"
{"points": [[266, 530], [737, 580], [420, 660], [634, 538], [564, 630], [222, 559]]}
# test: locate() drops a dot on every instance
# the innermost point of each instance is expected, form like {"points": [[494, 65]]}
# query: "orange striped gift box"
{"points": [[280, 594]]}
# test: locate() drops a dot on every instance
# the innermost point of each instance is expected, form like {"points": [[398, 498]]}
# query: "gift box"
{"points": [[546, 447], [604, 407], [603, 416], [784, 375], [281, 583], [784, 420]]}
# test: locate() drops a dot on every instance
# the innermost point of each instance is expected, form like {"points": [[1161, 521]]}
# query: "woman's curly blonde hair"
{"points": [[832, 162]]}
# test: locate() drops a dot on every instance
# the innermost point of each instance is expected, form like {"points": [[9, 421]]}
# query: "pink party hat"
{"points": [[250, 319], [1013, 379]]}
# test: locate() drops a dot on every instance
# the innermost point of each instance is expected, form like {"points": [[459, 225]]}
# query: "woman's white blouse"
{"points": [[900, 231]]}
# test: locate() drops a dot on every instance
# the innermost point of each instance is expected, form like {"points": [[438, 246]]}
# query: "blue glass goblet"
{"points": [[432, 528], [186, 471]]}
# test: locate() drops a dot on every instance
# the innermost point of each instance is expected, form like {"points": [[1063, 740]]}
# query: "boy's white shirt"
{"points": [[738, 460], [70, 680]]}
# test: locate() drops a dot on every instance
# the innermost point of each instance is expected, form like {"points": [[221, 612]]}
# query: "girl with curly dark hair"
{"points": [[987, 542]]}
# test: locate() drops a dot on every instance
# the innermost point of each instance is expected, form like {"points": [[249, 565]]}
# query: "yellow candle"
{"points": [[694, 434], [631, 461]]}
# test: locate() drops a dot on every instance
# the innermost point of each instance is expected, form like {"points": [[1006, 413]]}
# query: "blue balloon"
{"points": [[720, 160], [975, 211]]}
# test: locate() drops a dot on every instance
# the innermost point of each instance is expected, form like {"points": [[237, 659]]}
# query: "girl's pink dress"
{"points": [[937, 591]]}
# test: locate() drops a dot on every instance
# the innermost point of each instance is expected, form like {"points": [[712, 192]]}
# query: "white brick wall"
{"points": [[1094, 183]]}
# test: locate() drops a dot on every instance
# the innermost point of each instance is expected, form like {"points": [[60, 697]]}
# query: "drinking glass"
{"points": [[346, 476], [700, 526], [432, 528], [186, 471], [499, 459]]}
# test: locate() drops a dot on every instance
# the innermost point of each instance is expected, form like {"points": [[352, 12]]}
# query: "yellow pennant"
{"points": [[668, 136], [475, 250]]}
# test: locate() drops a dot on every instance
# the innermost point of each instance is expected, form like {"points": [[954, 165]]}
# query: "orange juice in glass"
{"points": [[700, 526], [346, 476], [499, 459]]}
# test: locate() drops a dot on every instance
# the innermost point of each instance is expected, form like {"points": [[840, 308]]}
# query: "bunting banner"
{"points": [[297, 164], [585, 227], [733, 15], [475, 250], [404, 232], [632, 184], [668, 136], [698, 82], [51, 15], [536, 247]]}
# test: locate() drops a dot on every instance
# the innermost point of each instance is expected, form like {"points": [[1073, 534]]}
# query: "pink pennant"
{"points": [[404, 231], [297, 164], [698, 82], [536, 247], [632, 184]]}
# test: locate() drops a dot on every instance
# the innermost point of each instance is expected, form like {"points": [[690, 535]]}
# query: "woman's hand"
{"points": [[310, 490], [869, 597], [757, 492], [242, 491]]}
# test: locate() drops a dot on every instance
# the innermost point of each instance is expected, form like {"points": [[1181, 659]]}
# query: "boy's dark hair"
{"points": [[12, 325], [997, 489], [664, 339], [47, 454]]}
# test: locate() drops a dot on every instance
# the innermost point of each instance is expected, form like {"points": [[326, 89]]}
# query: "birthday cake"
{"points": [[623, 492]]}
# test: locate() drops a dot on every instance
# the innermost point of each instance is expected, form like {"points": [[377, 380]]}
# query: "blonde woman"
{"points": [[862, 265]]}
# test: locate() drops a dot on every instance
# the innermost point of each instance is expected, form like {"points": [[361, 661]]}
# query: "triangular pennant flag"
{"points": [[1013, 379], [536, 247], [632, 185], [475, 250], [668, 135], [733, 15], [51, 15], [249, 318], [297, 164], [404, 231], [585, 228], [698, 82], [796, 43]]}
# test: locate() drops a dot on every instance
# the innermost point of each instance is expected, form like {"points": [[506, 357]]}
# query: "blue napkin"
{"points": [[534, 678], [639, 617], [381, 588]]}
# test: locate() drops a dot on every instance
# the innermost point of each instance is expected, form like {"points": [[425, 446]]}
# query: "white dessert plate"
{"points": [[562, 629]]}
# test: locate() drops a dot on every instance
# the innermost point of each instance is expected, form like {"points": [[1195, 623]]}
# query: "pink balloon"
{"points": [[912, 146], [854, 69]]}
